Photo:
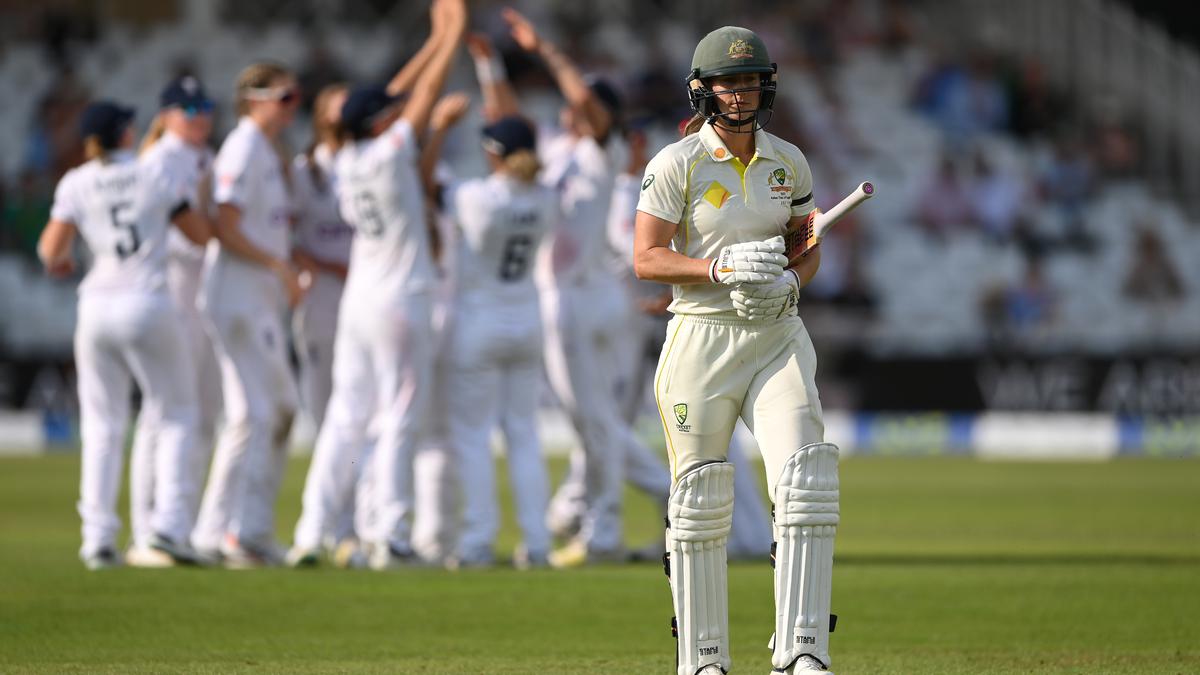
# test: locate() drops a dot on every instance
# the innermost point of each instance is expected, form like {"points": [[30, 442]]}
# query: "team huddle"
{"points": [[427, 309]]}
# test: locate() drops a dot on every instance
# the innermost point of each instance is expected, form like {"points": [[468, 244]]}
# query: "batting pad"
{"points": [[699, 515], [806, 518]]}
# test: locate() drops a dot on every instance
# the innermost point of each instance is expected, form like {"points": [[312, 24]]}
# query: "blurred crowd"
{"points": [[1036, 205]]}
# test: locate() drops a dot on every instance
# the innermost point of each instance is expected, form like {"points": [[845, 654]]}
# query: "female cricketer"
{"points": [[248, 279], [712, 211], [177, 143], [127, 331]]}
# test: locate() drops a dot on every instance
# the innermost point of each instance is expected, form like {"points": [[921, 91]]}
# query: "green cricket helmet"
{"points": [[731, 50]]}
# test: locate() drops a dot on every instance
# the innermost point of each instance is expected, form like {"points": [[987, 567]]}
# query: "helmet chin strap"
{"points": [[735, 125]]}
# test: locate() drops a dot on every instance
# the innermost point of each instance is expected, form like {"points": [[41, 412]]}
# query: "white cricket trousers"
{"points": [[493, 375], [122, 338], [183, 281], [260, 403], [382, 368], [314, 329], [714, 370], [580, 355]]}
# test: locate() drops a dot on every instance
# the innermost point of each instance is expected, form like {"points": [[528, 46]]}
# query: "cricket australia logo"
{"points": [[779, 176], [780, 184], [740, 49], [681, 414]]}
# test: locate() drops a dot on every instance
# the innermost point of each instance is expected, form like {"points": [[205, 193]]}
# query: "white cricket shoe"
{"points": [[711, 670], [103, 559], [808, 664], [390, 557], [299, 556], [180, 552], [146, 557], [349, 555], [577, 554]]}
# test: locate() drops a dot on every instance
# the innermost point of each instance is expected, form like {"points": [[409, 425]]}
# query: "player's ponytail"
{"points": [[692, 126], [522, 165], [325, 132], [158, 127]]}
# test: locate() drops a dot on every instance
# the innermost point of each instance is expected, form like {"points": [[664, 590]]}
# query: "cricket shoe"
{"points": [[807, 663], [577, 554], [179, 552], [103, 559], [147, 558], [524, 559], [390, 556], [348, 555], [239, 555], [711, 670], [302, 557]]}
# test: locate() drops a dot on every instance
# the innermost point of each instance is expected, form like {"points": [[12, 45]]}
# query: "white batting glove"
{"points": [[762, 302], [754, 262]]}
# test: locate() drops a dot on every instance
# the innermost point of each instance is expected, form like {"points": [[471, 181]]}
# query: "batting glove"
{"points": [[763, 302], [755, 262]]}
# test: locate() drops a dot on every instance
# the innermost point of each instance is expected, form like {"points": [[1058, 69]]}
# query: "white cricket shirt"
{"points": [[500, 223], [320, 229], [122, 209], [581, 171], [189, 163], [381, 197], [699, 184]]}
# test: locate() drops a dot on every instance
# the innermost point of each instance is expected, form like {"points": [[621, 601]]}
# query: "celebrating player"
{"points": [[248, 279], [382, 362], [127, 330], [177, 144], [494, 354], [570, 278], [713, 208]]}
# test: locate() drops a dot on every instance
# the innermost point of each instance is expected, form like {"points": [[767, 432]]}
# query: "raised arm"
{"points": [[406, 77], [448, 111], [499, 99], [570, 81], [450, 21]]}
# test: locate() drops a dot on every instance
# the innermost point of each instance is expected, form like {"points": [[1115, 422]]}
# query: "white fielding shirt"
{"points": [[381, 198], [500, 224], [696, 182], [190, 164], [320, 230], [581, 171], [249, 175], [122, 208]]}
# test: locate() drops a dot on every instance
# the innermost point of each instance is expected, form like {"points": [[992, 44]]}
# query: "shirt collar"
{"points": [[719, 153]]}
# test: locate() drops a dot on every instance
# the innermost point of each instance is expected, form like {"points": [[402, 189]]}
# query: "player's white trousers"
{"points": [[381, 376], [183, 281], [714, 370], [494, 370], [314, 327], [578, 350], [122, 338], [259, 405]]}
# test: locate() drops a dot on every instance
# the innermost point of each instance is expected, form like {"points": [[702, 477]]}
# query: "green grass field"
{"points": [[943, 566]]}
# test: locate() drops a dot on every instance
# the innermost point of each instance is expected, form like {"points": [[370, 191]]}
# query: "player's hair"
{"points": [[93, 148], [325, 132], [693, 125], [158, 126], [260, 76], [257, 76], [522, 165]]}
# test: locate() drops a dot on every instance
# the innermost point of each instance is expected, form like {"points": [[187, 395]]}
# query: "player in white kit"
{"points": [[249, 280], [571, 277], [177, 143], [382, 360], [127, 331], [713, 208], [322, 249], [494, 352]]}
